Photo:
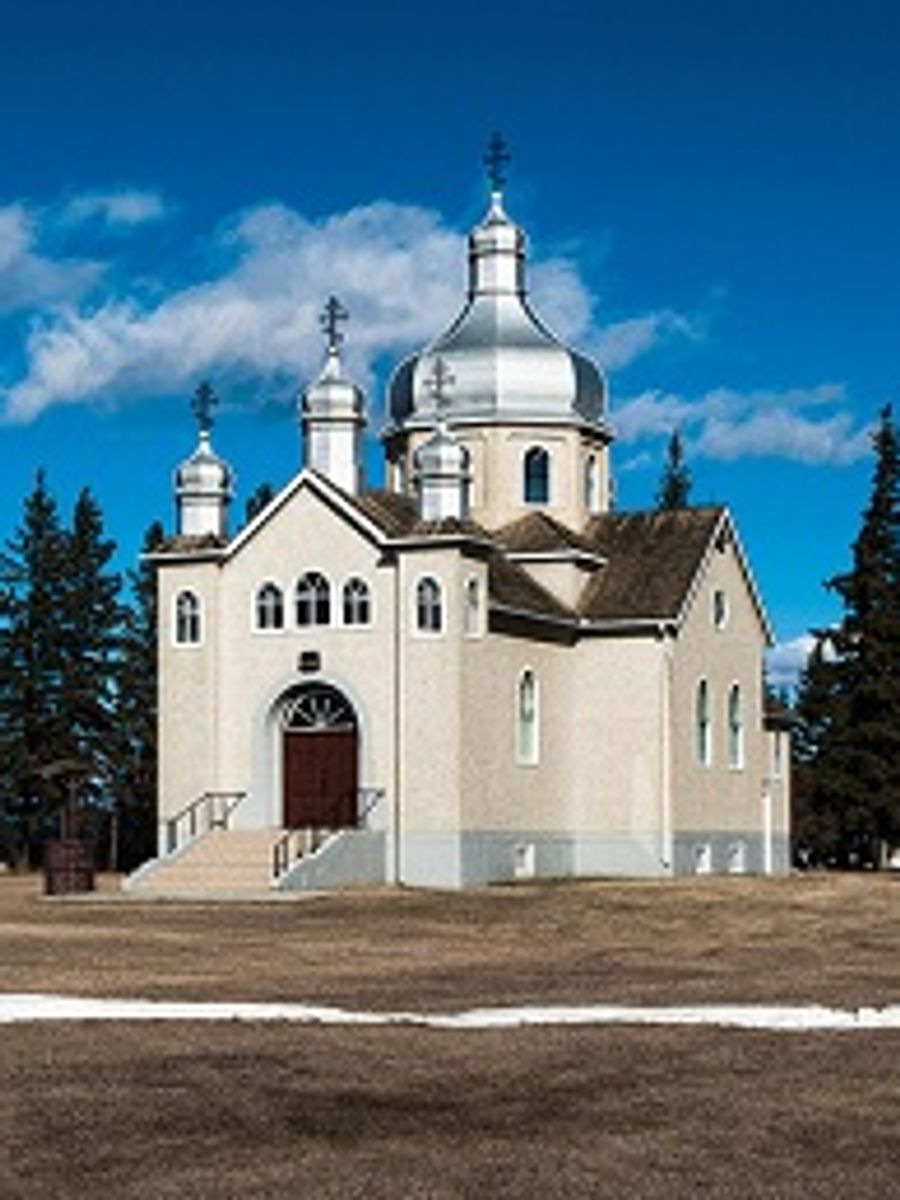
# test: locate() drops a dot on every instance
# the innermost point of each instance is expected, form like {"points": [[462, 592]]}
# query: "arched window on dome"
{"points": [[187, 619], [735, 728], [536, 475], [527, 718], [704, 731], [313, 599], [357, 602], [592, 484], [269, 607], [429, 606]]}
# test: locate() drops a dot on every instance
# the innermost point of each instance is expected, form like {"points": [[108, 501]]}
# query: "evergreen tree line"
{"points": [[847, 734], [77, 687]]}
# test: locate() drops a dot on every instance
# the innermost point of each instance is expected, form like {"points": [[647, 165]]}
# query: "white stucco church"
{"points": [[482, 673]]}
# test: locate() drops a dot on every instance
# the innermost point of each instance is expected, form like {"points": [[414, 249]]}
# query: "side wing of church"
{"points": [[480, 674]]}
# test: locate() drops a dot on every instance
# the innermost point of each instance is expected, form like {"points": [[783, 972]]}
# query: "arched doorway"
{"points": [[320, 757]]}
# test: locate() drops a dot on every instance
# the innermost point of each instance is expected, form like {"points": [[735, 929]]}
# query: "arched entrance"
{"points": [[320, 757]]}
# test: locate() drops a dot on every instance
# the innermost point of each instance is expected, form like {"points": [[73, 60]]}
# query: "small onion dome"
{"points": [[332, 395], [507, 365], [442, 475], [204, 476]]}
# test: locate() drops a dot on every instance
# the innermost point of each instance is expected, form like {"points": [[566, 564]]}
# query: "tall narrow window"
{"points": [[429, 608], [187, 619], [473, 608], [735, 728], [527, 734], [592, 484], [357, 604], [269, 607], [536, 466], [313, 600], [704, 740]]}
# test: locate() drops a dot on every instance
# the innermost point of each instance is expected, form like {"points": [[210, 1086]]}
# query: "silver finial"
{"points": [[495, 160], [203, 402], [331, 316]]}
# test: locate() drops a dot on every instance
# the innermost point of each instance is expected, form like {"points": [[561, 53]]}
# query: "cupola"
{"points": [[204, 483], [333, 413], [442, 472]]}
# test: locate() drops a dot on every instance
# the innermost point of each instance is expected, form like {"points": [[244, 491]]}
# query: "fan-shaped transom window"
{"points": [[269, 607], [704, 731], [536, 466], [429, 606], [357, 602], [313, 599], [527, 732], [735, 728], [318, 707], [187, 619]]}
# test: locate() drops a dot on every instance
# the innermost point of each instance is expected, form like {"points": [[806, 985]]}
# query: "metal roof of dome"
{"points": [[506, 364]]}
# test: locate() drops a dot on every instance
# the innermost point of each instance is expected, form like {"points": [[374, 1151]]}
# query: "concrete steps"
{"points": [[222, 862]]}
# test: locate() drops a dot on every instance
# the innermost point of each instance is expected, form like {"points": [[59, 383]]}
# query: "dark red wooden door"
{"points": [[320, 779]]}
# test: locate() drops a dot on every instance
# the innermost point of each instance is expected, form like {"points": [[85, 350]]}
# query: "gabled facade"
{"points": [[481, 674]]}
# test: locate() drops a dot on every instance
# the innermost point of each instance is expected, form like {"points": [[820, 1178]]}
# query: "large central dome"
{"points": [[505, 364]]}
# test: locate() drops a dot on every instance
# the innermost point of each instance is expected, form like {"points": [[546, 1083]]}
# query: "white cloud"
{"points": [[28, 278], [124, 207], [726, 424], [621, 343], [786, 660]]}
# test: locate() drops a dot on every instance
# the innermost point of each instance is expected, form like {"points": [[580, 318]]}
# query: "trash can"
{"points": [[68, 867]]}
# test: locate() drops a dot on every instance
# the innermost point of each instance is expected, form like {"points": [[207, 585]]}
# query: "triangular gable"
{"points": [[725, 526], [326, 491]]}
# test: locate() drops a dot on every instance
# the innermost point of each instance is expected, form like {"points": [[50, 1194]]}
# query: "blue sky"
{"points": [[710, 190]]}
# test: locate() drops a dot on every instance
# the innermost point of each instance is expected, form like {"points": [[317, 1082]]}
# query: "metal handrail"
{"points": [[295, 844], [210, 811]]}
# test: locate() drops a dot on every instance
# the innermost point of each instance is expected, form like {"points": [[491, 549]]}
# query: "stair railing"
{"points": [[212, 810], [295, 844]]}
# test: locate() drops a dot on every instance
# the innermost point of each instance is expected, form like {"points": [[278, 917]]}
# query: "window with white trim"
{"points": [[269, 607], [357, 602], [735, 728], [703, 727], [313, 599], [429, 606], [536, 475], [592, 484], [187, 619], [719, 609], [527, 719]]}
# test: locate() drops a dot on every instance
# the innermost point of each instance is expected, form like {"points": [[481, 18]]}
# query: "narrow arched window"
{"points": [[527, 734], [269, 607], [473, 608], [704, 739], [536, 465], [735, 728], [357, 602], [592, 484], [429, 607], [313, 599], [187, 619]]}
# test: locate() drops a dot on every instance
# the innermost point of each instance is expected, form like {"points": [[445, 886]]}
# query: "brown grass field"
{"points": [[116, 1110]]}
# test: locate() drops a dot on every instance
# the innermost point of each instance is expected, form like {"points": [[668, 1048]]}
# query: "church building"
{"points": [[483, 673]]}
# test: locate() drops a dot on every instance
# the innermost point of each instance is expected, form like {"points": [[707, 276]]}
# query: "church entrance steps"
{"points": [[232, 861]]}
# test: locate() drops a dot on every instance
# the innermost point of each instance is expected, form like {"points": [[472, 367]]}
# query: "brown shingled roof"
{"points": [[652, 559], [539, 533], [512, 587], [183, 543]]}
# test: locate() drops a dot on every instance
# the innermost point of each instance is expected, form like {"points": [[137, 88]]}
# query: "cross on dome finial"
{"points": [[495, 160], [330, 318], [440, 379], [203, 401]]}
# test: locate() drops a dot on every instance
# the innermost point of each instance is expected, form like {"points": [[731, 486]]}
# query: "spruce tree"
{"points": [[33, 722], [257, 501], [137, 714], [675, 482], [849, 703]]}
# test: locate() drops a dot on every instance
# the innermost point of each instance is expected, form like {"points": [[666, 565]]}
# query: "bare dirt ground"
{"points": [[188, 1110]]}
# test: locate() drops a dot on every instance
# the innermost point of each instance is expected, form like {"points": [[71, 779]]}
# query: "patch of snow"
{"points": [[29, 1008]]}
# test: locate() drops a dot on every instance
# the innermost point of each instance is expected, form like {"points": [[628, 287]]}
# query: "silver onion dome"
{"points": [[204, 474], [507, 365], [331, 394]]}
